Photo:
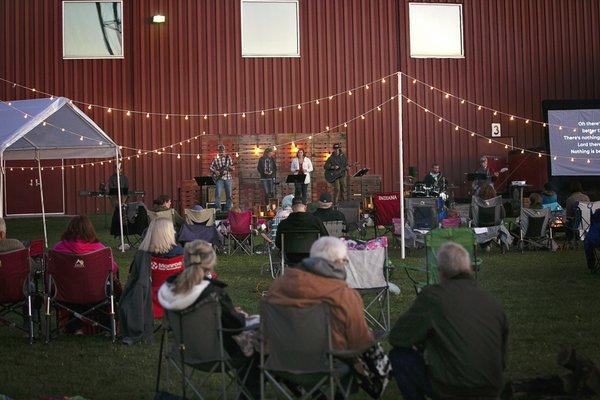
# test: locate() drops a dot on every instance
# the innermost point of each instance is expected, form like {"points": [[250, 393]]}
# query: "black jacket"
{"points": [[329, 214], [261, 167], [299, 221]]}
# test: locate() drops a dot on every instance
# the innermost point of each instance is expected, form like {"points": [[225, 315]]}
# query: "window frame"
{"points": [[290, 55], [462, 31], [120, 57]]}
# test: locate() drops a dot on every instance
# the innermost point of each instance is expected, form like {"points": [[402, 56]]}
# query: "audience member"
{"points": [[325, 212], [6, 244], [163, 203], [286, 208], [80, 238], [576, 196], [548, 195], [194, 284], [322, 278], [487, 192], [160, 239], [298, 221], [451, 343], [535, 201]]}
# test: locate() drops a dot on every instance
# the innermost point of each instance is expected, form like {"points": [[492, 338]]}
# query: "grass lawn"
{"points": [[550, 299]]}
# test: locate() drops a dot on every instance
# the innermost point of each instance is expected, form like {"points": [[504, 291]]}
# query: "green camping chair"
{"points": [[433, 241]]}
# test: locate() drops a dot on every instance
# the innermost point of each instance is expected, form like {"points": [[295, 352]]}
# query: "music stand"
{"points": [[299, 178], [360, 174], [204, 182]]}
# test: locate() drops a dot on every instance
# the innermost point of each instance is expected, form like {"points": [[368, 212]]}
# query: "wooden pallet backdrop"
{"points": [[247, 149]]}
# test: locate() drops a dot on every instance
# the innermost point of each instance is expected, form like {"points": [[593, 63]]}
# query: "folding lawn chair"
{"points": [[421, 216], [386, 206], [487, 216], [191, 352], [202, 217], [368, 272], [295, 246], [586, 210], [240, 231], [534, 229], [82, 281], [161, 268], [351, 211], [335, 228], [135, 221], [433, 241], [17, 292], [210, 234], [301, 353]]}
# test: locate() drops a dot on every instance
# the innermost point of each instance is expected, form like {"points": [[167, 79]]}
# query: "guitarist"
{"points": [[336, 168], [220, 169], [483, 170]]}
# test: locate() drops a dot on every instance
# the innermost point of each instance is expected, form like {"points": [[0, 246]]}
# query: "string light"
{"points": [[147, 115], [109, 110], [89, 107], [187, 117], [129, 113]]}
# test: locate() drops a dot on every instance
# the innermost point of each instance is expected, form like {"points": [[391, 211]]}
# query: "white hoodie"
{"points": [[171, 301]]}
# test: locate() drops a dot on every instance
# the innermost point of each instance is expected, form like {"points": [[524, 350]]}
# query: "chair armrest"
{"points": [[346, 355]]}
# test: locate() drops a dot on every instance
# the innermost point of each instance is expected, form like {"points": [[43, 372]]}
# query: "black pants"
{"points": [[301, 191]]}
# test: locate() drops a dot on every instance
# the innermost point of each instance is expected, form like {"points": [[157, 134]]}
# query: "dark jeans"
{"points": [[410, 371], [267, 187], [300, 191]]}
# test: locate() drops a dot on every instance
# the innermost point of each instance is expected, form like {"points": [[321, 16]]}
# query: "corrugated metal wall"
{"points": [[518, 52]]}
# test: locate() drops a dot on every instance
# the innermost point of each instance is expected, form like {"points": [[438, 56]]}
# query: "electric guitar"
{"points": [[332, 175]]}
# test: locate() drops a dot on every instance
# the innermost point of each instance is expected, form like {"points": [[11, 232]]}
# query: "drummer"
{"points": [[434, 178]]}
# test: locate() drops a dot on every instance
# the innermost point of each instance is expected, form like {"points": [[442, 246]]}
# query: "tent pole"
{"points": [[37, 156], [119, 197], [401, 162]]}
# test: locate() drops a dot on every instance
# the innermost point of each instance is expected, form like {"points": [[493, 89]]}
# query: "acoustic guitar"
{"points": [[332, 175]]}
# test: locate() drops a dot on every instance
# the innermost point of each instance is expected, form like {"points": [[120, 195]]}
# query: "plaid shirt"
{"points": [[222, 163]]}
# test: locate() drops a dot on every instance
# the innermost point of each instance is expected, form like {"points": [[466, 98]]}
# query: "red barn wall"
{"points": [[517, 53]]}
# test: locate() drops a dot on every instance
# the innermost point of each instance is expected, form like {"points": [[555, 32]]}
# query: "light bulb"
{"points": [[147, 115]]}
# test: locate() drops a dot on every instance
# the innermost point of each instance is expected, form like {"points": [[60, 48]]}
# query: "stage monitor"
{"points": [[574, 138]]}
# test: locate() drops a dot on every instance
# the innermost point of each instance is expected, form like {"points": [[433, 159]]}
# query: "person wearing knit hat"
{"points": [[336, 172], [325, 212]]}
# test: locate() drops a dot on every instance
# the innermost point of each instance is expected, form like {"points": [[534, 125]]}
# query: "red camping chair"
{"points": [[386, 207], [83, 282], [240, 230], [161, 269], [17, 291]]}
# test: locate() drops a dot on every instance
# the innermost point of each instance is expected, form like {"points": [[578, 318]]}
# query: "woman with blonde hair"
{"points": [[160, 239], [196, 283]]}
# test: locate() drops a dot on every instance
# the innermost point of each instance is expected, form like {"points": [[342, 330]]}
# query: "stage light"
{"points": [[159, 19]]}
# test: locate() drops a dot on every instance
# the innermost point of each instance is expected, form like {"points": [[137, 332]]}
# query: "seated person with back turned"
{"points": [[322, 278], [163, 203], [6, 244], [325, 212], [451, 343], [298, 220], [197, 282]]}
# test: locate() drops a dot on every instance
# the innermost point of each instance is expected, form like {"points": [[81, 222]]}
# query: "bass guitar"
{"points": [[332, 175]]}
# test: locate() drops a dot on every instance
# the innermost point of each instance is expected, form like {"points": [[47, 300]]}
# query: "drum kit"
{"points": [[419, 189]]}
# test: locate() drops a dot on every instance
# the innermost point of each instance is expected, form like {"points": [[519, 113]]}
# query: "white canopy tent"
{"points": [[51, 129]]}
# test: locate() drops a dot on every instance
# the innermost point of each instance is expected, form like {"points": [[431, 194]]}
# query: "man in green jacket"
{"points": [[451, 343]]}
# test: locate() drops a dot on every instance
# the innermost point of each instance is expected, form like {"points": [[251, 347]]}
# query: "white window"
{"points": [[92, 29], [270, 28], [436, 30]]}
